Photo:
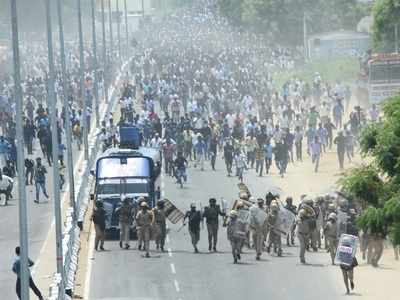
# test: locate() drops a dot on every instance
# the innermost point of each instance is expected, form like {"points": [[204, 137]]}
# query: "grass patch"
{"points": [[345, 69]]}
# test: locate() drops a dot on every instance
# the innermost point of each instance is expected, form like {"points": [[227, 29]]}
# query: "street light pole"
{"points": [[119, 31], [56, 175], [305, 36], [82, 84], [111, 32], [22, 207], [67, 118], [105, 62], [126, 29], [96, 76], [396, 38]]}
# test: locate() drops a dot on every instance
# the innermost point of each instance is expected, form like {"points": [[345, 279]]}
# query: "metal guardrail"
{"points": [[71, 233]]}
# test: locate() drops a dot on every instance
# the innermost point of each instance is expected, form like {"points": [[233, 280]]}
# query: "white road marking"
{"points": [[51, 230], [167, 239], [162, 185], [173, 270], [89, 265], [169, 252], [176, 283], [77, 169]]}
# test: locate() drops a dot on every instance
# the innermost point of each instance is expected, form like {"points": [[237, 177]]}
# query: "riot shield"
{"points": [[285, 221], [346, 250]]}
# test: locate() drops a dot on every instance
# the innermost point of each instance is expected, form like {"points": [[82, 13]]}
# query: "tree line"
{"points": [[282, 20]]}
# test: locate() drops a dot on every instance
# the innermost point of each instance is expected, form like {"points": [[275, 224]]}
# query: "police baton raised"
{"points": [[180, 228]]}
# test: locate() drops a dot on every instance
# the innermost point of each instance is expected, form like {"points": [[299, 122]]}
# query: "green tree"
{"points": [[386, 15], [377, 186], [284, 18]]}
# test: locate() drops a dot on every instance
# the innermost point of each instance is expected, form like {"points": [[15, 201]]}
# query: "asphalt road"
{"points": [[40, 217], [180, 274]]}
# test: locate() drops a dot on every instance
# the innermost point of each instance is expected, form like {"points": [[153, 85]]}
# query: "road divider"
{"points": [[83, 183]]}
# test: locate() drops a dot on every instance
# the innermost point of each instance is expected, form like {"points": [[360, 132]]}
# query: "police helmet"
{"points": [[213, 200], [331, 206], [352, 211], [309, 201], [144, 204], [233, 213], [332, 216]]}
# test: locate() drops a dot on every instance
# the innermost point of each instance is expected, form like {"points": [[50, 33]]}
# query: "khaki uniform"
{"points": [[274, 236], [330, 231], [160, 227], [302, 231], [144, 222], [125, 220], [236, 235], [259, 234]]}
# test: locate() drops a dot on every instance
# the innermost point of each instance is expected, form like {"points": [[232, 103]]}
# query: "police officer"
{"points": [[160, 225], [99, 220], [293, 209], [312, 221], [144, 222], [259, 229], [331, 209], [302, 232], [236, 234], [274, 234], [211, 214], [194, 217], [330, 232], [125, 215], [348, 270]]}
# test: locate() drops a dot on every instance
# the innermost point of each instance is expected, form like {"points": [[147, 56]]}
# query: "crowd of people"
{"points": [[198, 99], [37, 131]]}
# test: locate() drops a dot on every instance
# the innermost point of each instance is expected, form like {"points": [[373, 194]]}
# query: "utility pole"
{"points": [[111, 32], [22, 207], [67, 118], [54, 139], [82, 84], [396, 38], [126, 29], [95, 73], [305, 36], [105, 62], [119, 32]]}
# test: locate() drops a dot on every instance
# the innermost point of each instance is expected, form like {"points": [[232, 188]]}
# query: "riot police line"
{"points": [[321, 222]]}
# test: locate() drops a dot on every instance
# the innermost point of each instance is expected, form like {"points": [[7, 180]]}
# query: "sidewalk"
{"points": [[371, 283]]}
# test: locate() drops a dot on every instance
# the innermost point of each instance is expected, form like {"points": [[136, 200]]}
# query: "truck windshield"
{"points": [[126, 188], [116, 167]]}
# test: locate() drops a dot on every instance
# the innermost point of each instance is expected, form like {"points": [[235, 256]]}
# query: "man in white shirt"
{"points": [[6, 184], [374, 113]]}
